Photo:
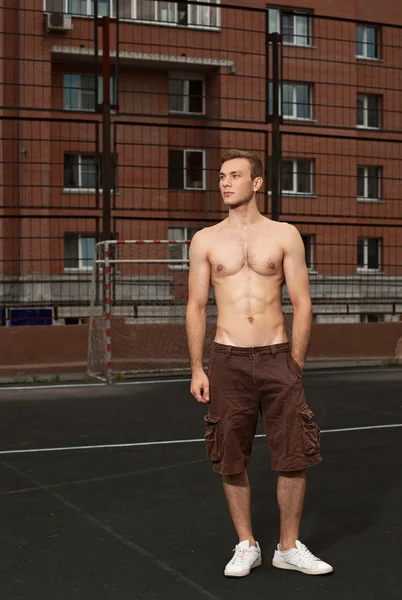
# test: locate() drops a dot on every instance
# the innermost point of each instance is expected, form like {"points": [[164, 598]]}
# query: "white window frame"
{"points": [[295, 14], [79, 238], [80, 189], [310, 258], [203, 188], [365, 268], [294, 191], [88, 13], [156, 21], [185, 248], [294, 116], [365, 112], [192, 189], [80, 90], [365, 43], [186, 78], [363, 317], [174, 22], [365, 198]]}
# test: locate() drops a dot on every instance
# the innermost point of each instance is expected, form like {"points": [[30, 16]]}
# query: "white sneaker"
{"points": [[245, 558], [300, 559]]}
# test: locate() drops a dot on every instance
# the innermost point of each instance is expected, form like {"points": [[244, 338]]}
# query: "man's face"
{"points": [[235, 183]]}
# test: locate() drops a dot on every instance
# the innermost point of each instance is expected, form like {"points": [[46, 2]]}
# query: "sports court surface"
{"points": [[106, 494]]}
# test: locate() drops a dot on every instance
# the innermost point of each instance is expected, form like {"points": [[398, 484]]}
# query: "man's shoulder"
{"points": [[207, 232], [202, 240], [284, 230]]}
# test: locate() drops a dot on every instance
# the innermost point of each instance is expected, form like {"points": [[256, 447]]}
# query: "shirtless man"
{"points": [[252, 368]]}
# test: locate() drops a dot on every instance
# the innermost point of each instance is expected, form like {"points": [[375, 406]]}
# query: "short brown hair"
{"points": [[255, 162]]}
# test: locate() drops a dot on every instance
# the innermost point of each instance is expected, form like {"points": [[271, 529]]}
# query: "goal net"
{"points": [[139, 294]]}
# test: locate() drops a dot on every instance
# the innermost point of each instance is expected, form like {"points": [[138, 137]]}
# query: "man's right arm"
{"points": [[196, 314]]}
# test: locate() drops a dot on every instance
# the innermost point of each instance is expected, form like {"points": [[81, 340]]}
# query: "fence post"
{"points": [[267, 115], [276, 157], [106, 125], [108, 315]]}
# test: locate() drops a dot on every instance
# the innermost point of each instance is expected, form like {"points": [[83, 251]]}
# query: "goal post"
{"points": [[138, 299], [137, 308]]}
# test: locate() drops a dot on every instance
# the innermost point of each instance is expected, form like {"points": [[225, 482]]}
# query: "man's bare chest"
{"points": [[260, 257]]}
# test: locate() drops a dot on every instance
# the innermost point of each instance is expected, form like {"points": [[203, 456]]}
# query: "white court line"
{"points": [[171, 442], [79, 385], [84, 385]]}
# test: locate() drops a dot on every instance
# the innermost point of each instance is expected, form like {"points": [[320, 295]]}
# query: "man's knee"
{"points": [[299, 474], [236, 478]]}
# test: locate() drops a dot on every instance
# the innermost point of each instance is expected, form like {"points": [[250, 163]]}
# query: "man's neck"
{"points": [[244, 216]]}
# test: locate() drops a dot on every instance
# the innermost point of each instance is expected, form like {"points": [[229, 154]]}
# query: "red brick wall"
{"points": [[143, 151], [61, 349]]}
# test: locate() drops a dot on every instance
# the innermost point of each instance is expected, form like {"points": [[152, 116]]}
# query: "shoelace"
{"points": [[306, 552], [240, 555]]}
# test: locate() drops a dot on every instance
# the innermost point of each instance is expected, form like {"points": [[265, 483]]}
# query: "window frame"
{"points": [[365, 44], [184, 181], [187, 78], [294, 13], [155, 21], [81, 89], [80, 189], [185, 248], [365, 268], [67, 4], [366, 111], [78, 237], [294, 116], [310, 258], [365, 197], [295, 174], [363, 317]]}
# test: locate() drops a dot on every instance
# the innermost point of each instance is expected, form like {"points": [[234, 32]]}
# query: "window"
{"points": [[186, 96], [295, 27], [369, 254], [368, 183], [180, 251], [84, 8], [371, 318], [78, 251], [80, 171], [186, 170], [368, 111], [297, 176], [308, 241], [79, 91], [175, 13], [295, 101], [367, 42]]}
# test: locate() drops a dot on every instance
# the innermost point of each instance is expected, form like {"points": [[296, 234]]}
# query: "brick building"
{"points": [[191, 80]]}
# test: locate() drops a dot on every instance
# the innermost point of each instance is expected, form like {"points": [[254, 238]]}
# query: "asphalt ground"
{"points": [[105, 493]]}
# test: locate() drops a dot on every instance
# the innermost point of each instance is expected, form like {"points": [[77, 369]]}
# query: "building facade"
{"points": [[186, 82]]}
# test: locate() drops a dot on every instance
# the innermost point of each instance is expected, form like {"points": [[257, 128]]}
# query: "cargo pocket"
{"points": [[212, 438], [310, 431]]}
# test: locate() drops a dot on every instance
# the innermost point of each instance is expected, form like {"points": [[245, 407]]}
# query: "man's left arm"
{"points": [[296, 277]]}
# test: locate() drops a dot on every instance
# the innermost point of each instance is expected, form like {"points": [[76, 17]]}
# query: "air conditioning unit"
{"points": [[56, 21]]}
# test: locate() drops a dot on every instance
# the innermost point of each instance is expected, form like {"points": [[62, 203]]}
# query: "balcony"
{"points": [[173, 14]]}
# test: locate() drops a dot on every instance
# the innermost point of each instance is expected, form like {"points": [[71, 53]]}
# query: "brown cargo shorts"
{"points": [[244, 382]]}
